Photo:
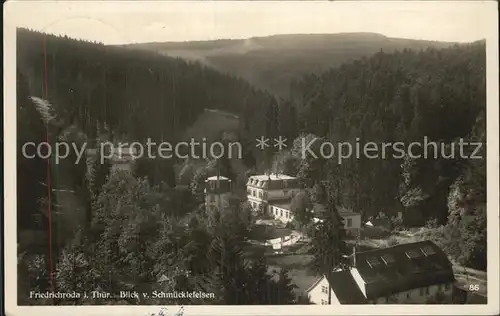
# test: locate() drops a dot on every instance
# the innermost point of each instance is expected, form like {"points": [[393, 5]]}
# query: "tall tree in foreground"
{"points": [[327, 245]]}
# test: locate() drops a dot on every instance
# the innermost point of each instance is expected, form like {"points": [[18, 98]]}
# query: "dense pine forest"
{"points": [[117, 230]]}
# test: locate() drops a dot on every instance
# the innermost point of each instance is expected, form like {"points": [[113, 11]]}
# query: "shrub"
{"points": [[392, 242]]}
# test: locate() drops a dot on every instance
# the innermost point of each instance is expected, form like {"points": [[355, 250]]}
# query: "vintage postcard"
{"points": [[251, 157]]}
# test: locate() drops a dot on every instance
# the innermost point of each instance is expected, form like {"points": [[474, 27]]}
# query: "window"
{"points": [[349, 222], [408, 295], [323, 302], [324, 289], [421, 291], [260, 194], [427, 290], [281, 212], [286, 214]]}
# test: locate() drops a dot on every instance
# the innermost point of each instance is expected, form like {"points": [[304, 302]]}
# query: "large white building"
{"points": [[274, 192], [410, 273], [264, 189]]}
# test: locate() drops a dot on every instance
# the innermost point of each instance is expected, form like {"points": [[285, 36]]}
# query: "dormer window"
{"points": [[373, 262], [412, 254], [428, 251], [388, 259]]}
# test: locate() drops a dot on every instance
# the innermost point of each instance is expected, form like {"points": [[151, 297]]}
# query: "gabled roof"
{"points": [[319, 208], [273, 182], [282, 203], [343, 287], [403, 267], [214, 178], [309, 289]]}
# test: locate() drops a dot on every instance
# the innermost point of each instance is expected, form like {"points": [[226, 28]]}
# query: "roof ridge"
{"points": [[397, 246]]}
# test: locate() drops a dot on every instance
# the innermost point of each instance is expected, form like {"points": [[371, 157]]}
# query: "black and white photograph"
{"points": [[195, 155]]}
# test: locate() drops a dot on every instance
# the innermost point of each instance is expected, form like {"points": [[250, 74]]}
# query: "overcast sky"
{"points": [[115, 22]]}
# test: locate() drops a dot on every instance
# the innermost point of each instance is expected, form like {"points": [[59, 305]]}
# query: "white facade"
{"points": [[352, 220], [268, 188], [283, 214], [417, 296], [217, 193], [318, 294]]}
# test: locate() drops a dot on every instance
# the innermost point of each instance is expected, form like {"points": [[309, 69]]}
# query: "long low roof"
{"points": [[403, 267], [217, 178], [272, 177], [284, 204]]}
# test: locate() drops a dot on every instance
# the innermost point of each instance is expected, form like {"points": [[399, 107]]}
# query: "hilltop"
{"points": [[273, 62]]}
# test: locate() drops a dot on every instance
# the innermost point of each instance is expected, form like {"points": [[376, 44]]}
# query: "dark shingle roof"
{"points": [[403, 267], [345, 288], [282, 203]]}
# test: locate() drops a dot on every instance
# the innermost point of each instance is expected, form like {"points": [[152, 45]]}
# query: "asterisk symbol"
{"points": [[280, 142], [262, 142]]}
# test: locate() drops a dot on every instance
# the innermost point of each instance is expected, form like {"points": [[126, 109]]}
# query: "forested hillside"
{"points": [[403, 97], [273, 62], [138, 93], [100, 216], [132, 95]]}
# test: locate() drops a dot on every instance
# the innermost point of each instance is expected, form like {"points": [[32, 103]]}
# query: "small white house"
{"points": [[281, 211], [352, 220]]}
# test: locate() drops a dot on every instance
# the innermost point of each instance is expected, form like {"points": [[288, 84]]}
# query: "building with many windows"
{"points": [[274, 193], [268, 188], [412, 273]]}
